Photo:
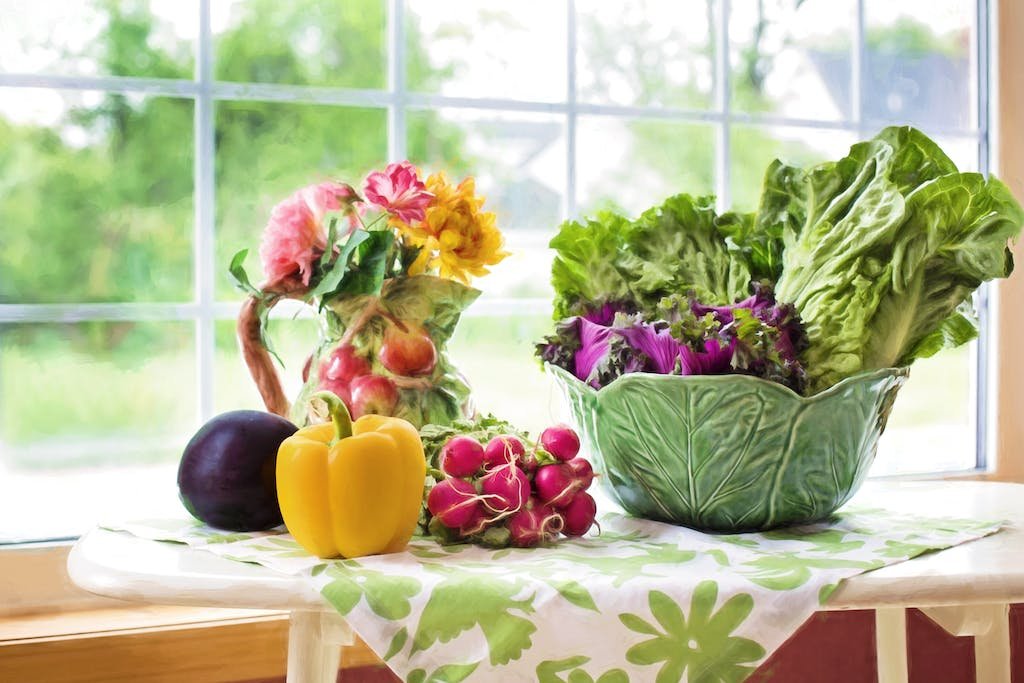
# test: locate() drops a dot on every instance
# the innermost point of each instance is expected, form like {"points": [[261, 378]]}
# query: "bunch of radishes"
{"points": [[500, 493]]}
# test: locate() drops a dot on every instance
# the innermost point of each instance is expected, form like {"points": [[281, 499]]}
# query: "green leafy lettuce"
{"points": [[882, 250], [677, 247]]}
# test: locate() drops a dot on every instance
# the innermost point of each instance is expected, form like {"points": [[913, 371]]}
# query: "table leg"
{"points": [[314, 646], [891, 644], [990, 626], [992, 648]]}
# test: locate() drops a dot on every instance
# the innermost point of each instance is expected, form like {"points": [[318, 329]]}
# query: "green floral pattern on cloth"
{"points": [[643, 601]]}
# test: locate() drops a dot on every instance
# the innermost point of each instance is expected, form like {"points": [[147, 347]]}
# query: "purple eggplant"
{"points": [[227, 476]]}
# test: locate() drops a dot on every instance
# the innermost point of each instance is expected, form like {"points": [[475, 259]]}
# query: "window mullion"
{"points": [[203, 189], [396, 81], [981, 385], [570, 111], [723, 104], [857, 70]]}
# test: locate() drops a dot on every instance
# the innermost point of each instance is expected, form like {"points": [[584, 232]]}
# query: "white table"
{"points": [[966, 589]]}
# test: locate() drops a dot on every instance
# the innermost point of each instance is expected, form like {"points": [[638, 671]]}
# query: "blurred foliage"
{"points": [[688, 160], [97, 206], [108, 188], [908, 38]]}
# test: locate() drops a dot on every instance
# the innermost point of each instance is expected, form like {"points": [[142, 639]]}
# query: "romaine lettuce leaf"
{"points": [[882, 250]]}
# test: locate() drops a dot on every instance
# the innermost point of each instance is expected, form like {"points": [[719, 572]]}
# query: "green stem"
{"points": [[339, 414], [374, 222]]}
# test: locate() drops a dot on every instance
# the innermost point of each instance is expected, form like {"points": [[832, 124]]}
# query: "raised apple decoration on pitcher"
{"points": [[388, 272], [408, 350]]}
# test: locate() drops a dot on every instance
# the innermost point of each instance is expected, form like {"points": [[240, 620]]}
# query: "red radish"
{"points": [[454, 502], [528, 463], [505, 489], [503, 449], [583, 472], [373, 394], [343, 364], [534, 524], [408, 352], [579, 514], [476, 523], [560, 441], [556, 484], [462, 456]]}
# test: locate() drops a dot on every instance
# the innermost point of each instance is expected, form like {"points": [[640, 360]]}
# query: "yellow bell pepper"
{"points": [[351, 489]]}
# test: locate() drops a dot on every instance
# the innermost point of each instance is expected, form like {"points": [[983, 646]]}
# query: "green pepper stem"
{"points": [[338, 412]]}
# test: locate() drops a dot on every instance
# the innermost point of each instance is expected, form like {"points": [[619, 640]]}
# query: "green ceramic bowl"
{"points": [[730, 452]]}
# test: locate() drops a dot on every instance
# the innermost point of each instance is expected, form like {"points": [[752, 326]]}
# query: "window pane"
{"points": [[631, 164], [103, 183], [301, 42], [752, 148], [496, 354], [88, 413], [518, 160], [917, 62], [267, 150], [293, 340], [646, 52], [153, 38], [524, 274], [931, 428], [963, 151], [792, 58], [487, 48]]}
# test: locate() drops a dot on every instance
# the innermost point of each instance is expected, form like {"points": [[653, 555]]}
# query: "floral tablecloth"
{"points": [[642, 601]]}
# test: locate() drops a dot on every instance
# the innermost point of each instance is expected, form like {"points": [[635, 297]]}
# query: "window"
{"points": [[142, 143]]}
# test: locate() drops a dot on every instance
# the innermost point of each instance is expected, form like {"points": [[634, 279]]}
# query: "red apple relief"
{"points": [[408, 352], [339, 369], [373, 394], [343, 364]]}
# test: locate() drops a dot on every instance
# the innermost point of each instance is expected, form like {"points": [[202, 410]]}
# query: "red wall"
{"points": [[839, 647]]}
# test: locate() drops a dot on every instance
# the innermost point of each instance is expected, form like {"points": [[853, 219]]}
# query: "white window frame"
{"points": [[204, 310]]}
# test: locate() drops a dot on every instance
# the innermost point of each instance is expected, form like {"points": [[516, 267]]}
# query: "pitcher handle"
{"points": [[257, 358]]}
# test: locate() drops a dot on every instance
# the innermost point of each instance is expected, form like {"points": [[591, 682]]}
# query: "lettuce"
{"points": [[678, 247], [873, 259], [682, 248], [882, 250], [586, 271]]}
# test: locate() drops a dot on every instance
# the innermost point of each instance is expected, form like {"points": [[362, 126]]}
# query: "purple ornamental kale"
{"points": [[754, 336]]}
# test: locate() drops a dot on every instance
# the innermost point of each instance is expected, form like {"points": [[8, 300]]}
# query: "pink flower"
{"points": [[330, 196], [398, 190], [293, 239]]}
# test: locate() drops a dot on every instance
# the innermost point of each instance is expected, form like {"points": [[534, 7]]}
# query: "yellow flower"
{"points": [[456, 237]]}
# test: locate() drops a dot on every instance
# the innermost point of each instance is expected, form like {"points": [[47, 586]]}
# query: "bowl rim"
{"points": [[759, 383]]}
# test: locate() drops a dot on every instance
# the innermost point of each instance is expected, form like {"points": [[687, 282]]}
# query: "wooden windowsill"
{"points": [[93, 622], [152, 644]]}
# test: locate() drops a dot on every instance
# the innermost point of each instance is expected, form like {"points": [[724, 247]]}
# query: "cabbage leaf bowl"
{"points": [[730, 453]]}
